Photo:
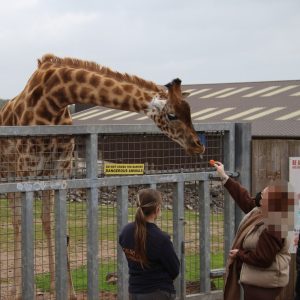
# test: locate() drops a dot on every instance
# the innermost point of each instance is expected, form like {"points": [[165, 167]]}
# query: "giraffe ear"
{"points": [[174, 90], [185, 94], [176, 81], [168, 85]]}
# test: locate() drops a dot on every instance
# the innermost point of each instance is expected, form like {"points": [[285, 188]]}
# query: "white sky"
{"points": [[198, 41]]}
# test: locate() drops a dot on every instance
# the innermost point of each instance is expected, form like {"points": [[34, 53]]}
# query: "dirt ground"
{"points": [[77, 257], [79, 296]]}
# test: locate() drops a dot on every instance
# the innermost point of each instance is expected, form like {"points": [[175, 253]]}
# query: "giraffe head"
{"points": [[173, 118]]}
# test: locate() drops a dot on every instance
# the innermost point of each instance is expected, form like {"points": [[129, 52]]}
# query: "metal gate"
{"points": [[91, 208]]}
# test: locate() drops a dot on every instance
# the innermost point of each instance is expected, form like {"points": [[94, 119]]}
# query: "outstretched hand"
{"points": [[220, 170]]}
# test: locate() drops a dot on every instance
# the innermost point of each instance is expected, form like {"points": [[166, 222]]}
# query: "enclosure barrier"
{"points": [[234, 142]]}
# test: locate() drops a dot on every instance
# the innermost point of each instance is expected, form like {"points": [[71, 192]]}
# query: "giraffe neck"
{"points": [[60, 82]]}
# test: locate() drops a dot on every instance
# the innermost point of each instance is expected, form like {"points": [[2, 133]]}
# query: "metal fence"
{"points": [[91, 208]]}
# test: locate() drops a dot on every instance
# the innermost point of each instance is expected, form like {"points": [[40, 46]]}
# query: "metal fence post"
{"points": [[204, 231], [92, 218], [229, 205], [61, 244], [27, 246], [122, 220], [243, 161], [178, 235]]}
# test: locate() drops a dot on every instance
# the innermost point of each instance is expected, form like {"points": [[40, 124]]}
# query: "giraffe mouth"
{"points": [[195, 147], [196, 150]]}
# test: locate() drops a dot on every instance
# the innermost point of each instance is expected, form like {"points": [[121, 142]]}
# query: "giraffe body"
{"points": [[56, 84]]}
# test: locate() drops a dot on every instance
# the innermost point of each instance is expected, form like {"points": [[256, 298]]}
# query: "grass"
{"points": [[77, 230], [192, 265], [77, 225], [79, 277], [77, 220]]}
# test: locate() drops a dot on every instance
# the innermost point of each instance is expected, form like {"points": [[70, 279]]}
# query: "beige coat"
{"points": [[277, 275]]}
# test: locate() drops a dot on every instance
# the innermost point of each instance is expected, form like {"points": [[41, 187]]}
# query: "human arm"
{"points": [[298, 255], [264, 254], [169, 259], [239, 194]]}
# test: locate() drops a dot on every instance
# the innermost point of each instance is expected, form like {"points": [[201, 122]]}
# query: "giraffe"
{"points": [[56, 84]]}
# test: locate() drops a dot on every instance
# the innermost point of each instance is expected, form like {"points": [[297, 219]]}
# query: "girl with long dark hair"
{"points": [[152, 261]]}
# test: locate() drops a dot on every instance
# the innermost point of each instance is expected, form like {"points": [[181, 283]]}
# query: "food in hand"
{"points": [[212, 162]]}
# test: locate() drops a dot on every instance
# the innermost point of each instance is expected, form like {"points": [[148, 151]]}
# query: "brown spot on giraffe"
{"points": [[94, 80], [108, 83], [47, 114], [27, 117], [81, 76], [116, 102], [147, 97], [138, 93], [36, 95], [8, 119], [35, 82], [84, 93], [53, 107], [92, 99], [104, 100], [117, 91], [73, 88], [136, 106], [60, 96], [125, 104], [66, 75], [128, 88], [52, 82], [47, 75]]}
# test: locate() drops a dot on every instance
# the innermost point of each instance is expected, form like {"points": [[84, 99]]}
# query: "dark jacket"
{"points": [[163, 262], [298, 255], [297, 286]]}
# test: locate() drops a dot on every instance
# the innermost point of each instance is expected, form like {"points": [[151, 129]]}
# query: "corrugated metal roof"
{"points": [[273, 108]]}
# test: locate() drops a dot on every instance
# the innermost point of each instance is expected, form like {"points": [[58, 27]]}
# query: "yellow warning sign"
{"points": [[123, 169]]}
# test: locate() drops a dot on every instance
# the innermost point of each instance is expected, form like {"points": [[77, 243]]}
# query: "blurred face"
{"points": [[278, 209]]}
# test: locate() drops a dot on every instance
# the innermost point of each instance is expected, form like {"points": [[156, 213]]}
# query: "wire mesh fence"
{"points": [[48, 158], [157, 152]]}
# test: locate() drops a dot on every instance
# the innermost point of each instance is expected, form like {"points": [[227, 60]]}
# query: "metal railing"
{"points": [[92, 181]]}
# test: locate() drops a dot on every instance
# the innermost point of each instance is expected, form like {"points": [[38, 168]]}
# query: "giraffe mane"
{"points": [[92, 66]]}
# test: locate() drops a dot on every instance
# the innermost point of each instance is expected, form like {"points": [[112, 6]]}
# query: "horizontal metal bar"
{"points": [[99, 129], [216, 273], [213, 295], [230, 174], [31, 186]]}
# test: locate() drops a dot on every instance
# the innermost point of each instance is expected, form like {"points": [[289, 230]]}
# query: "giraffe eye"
{"points": [[171, 117]]}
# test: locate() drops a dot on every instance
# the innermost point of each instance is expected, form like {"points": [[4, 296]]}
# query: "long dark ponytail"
{"points": [[148, 200]]}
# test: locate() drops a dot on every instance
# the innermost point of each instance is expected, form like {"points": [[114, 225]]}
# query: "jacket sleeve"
{"points": [[298, 255], [240, 195], [265, 252], [169, 259]]}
